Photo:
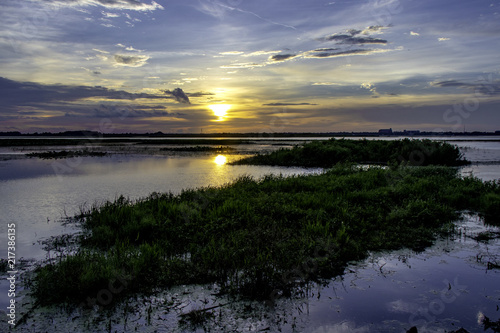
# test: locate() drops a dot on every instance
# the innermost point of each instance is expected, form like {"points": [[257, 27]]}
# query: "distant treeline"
{"points": [[94, 134]]}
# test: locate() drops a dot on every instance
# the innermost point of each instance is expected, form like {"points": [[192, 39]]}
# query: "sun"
{"points": [[220, 110]]}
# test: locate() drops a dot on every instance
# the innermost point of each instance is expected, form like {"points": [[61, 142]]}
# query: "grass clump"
{"points": [[66, 154], [220, 149], [327, 153], [261, 238]]}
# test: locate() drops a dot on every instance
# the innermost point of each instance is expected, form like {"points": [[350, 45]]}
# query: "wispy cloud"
{"points": [[349, 39], [346, 53], [130, 61], [287, 104], [260, 53], [111, 4], [242, 65], [487, 87], [356, 36], [218, 9]]}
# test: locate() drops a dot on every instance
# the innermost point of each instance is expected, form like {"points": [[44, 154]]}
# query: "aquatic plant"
{"points": [[327, 153], [219, 149], [261, 238], [66, 154]]}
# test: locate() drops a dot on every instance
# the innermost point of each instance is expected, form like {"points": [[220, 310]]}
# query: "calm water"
{"points": [[445, 287]]}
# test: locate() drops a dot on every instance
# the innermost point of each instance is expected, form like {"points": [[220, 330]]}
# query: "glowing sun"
{"points": [[220, 110]]}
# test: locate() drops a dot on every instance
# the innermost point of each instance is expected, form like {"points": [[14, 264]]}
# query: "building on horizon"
{"points": [[385, 131]]}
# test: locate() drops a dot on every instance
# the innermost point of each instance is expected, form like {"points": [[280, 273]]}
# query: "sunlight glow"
{"points": [[220, 160], [220, 110]]}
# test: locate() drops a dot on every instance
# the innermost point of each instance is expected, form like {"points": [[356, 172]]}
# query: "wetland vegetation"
{"points": [[220, 149], [327, 153], [263, 238], [66, 154]]}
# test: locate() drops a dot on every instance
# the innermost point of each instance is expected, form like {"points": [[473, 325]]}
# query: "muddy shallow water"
{"points": [[450, 285]]}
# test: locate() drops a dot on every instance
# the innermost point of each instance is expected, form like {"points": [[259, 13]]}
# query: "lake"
{"points": [[447, 286]]}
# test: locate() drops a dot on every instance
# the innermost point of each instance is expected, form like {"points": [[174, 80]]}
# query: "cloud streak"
{"points": [[287, 104], [487, 88], [130, 61], [111, 4]]}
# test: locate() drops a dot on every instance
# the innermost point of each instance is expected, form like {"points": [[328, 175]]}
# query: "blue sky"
{"points": [[278, 66]]}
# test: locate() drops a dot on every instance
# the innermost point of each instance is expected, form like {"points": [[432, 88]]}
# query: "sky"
{"points": [[212, 66]]}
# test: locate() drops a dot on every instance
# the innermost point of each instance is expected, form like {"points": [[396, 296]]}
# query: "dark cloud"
{"points": [[282, 57], [123, 111], [179, 95], [340, 53], [451, 83], [200, 94], [287, 104], [356, 36], [326, 49], [352, 40], [15, 94], [485, 87]]}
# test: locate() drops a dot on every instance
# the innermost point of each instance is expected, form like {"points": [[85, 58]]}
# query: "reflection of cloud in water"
{"points": [[346, 326], [401, 306]]}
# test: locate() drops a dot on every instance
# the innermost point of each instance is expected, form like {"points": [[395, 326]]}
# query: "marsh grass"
{"points": [[220, 149], [66, 154], [262, 238], [327, 153]]}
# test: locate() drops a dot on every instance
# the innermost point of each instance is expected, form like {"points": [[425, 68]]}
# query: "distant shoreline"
{"points": [[98, 135]]}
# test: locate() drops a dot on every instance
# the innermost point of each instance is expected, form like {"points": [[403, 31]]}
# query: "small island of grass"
{"points": [[264, 238], [66, 154], [327, 153]]}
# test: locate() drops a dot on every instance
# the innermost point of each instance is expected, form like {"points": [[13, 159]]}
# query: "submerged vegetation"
{"points": [[327, 153], [220, 149], [66, 154], [261, 238]]}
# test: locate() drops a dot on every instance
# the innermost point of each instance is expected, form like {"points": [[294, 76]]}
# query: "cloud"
{"points": [[413, 33], [349, 39], [377, 29], [443, 39], [326, 84], [111, 4], [326, 49], [356, 36], [282, 57], [259, 53], [486, 87], [346, 53], [124, 111], [130, 61], [242, 65], [231, 53], [286, 104], [15, 94], [200, 94], [179, 95]]}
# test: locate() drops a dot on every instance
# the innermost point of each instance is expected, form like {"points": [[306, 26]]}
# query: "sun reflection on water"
{"points": [[220, 160]]}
